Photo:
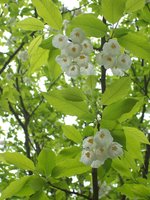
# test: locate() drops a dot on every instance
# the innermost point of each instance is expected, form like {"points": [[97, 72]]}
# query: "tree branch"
{"points": [[11, 57], [95, 184], [69, 192], [147, 153]]}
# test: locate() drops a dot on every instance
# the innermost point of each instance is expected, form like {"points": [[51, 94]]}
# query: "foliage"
{"points": [[40, 149]]}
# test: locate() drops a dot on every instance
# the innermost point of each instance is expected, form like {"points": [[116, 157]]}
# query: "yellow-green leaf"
{"points": [[49, 12], [31, 24], [113, 10]]}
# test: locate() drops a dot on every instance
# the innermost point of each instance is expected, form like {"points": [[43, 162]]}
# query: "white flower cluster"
{"points": [[99, 148], [111, 57], [75, 51], [23, 56], [104, 189]]}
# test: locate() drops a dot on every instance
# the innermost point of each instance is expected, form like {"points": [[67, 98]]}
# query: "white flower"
{"points": [[124, 62], [111, 47], [64, 61], [88, 143], [73, 71], [99, 58], [87, 157], [59, 41], [73, 50], [82, 59], [97, 163], [115, 150], [104, 189], [103, 138], [108, 61], [77, 35], [101, 153], [9, 76], [23, 55], [87, 69], [27, 80], [117, 71], [87, 47]]}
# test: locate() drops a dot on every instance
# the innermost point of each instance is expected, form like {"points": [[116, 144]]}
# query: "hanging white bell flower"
{"points": [[77, 35], [87, 69], [64, 61], [104, 189], [117, 71], [99, 58], [108, 61], [124, 62], [87, 157], [60, 41], [97, 163], [23, 56], [82, 59], [103, 138], [87, 47], [115, 150], [88, 143], [101, 153], [111, 47], [73, 71], [73, 50]]}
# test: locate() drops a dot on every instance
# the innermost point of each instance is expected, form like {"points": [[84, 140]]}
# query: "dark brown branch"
{"points": [[146, 161], [42, 98], [147, 153], [11, 57], [69, 192], [95, 184], [15, 114]]}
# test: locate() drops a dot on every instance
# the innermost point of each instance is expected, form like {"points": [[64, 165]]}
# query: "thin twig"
{"points": [[69, 192]]}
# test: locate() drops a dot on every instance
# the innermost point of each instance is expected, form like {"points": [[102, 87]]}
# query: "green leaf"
{"points": [[46, 161], [72, 133], [47, 44], [70, 103], [91, 82], [122, 166], [69, 167], [33, 46], [116, 110], [116, 91], [39, 196], [119, 136], [113, 10], [31, 24], [19, 160], [138, 104], [133, 134], [137, 44], [72, 94], [54, 68], [3, 1], [69, 152], [34, 184], [133, 190], [38, 59], [134, 5], [92, 26], [14, 187], [49, 12]]}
